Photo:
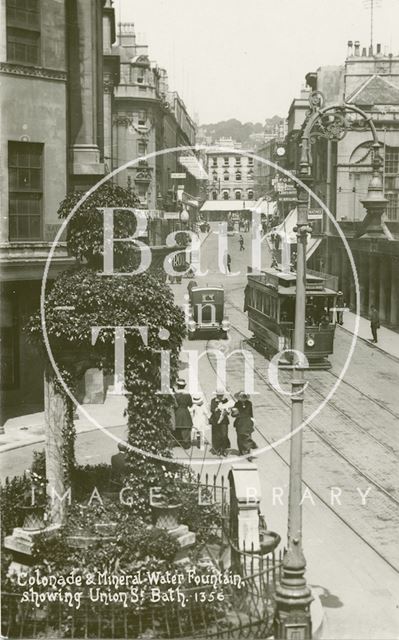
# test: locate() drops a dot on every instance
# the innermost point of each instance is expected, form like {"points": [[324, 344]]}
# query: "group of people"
{"points": [[195, 423]]}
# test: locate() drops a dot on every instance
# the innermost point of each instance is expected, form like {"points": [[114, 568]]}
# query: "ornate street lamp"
{"points": [[293, 596]]}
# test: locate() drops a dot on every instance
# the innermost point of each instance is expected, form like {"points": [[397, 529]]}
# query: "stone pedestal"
{"points": [[94, 387], [21, 543]]}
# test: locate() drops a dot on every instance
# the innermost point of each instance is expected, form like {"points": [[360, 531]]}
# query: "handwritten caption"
{"points": [[107, 588]]}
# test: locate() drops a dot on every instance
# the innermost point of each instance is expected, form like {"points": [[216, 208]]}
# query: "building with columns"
{"points": [[57, 76], [342, 172]]}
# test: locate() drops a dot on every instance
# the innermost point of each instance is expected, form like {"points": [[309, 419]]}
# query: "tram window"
{"points": [[287, 310], [267, 305]]}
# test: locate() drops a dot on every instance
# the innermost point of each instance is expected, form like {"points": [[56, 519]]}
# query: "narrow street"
{"points": [[350, 450]]}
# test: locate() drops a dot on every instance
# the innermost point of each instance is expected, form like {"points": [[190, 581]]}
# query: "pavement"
{"points": [[388, 340], [357, 589]]}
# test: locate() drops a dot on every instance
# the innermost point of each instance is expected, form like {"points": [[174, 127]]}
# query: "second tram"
{"points": [[270, 302]]}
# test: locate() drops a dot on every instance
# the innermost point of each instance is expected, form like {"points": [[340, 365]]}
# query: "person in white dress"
{"points": [[200, 415]]}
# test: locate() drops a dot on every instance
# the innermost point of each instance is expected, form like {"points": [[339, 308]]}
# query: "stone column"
{"points": [[383, 288], [352, 288], [394, 316], [373, 281], [108, 96], [55, 413], [85, 40], [363, 282]]}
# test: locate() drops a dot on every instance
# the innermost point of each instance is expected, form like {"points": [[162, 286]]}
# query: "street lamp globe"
{"points": [[184, 217]]}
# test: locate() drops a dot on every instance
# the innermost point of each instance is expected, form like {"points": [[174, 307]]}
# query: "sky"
{"points": [[247, 59]]}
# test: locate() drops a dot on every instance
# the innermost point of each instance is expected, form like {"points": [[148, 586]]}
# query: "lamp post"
{"points": [[293, 596]]}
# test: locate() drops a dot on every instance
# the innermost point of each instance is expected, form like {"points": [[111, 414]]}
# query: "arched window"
{"points": [[250, 195], [238, 195], [214, 195], [215, 175], [225, 195], [238, 176], [226, 175]]}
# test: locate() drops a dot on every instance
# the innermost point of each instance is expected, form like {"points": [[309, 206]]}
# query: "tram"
{"points": [[270, 302], [206, 314]]}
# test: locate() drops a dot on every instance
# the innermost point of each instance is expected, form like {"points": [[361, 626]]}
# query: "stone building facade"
{"points": [[55, 57], [148, 118], [342, 172], [231, 174]]}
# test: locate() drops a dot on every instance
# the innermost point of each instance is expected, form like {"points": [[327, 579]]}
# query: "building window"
{"points": [[250, 195], [226, 175], [226, 161], [23, 31], [225, 195], [142, 117], [392, 182], [392, 206], [142, 148], [214, 162], [238, 162], [250, 175], [238, 195], [214, 195], [25, 174], [250, 161], [238, 176], [392, 160]]}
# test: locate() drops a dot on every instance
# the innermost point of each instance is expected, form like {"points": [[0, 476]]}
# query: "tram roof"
{"points": [[285, 281]]}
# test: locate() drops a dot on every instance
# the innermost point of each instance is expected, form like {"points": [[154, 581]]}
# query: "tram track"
{"points": [[326, 440], [330, 372], [361, 429], [310, 486]]}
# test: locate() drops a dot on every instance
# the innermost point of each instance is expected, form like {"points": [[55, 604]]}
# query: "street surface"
{"points": [[350, 461]]}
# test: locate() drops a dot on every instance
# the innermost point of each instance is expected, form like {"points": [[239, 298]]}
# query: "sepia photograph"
{"points": [[199, 264]]}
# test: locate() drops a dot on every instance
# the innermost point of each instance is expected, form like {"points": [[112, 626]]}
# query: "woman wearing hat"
{"points": [[183, 421], [244, 423], [219, 420], [200, 416]]}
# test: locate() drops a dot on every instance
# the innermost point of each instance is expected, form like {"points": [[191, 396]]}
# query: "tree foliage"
{"points": [[85, 230]]}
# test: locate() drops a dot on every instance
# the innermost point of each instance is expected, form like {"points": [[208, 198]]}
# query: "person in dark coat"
{"points": [[244, 424], [374, 322], [183, 420], [119, 467], [219, 420]]}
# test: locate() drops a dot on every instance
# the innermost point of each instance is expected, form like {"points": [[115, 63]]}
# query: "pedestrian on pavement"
{"points": [[374, 323], [241, 241], [340, 308], [200, 416], [183, 420], [244, 423], [219, 420], [228, 262]]}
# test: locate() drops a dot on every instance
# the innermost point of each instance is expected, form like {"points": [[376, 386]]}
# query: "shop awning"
{"points": [[265, 206], [286, 230], [227, 205]]}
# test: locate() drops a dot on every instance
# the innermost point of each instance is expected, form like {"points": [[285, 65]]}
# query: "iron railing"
{"points": [[245, 612]]}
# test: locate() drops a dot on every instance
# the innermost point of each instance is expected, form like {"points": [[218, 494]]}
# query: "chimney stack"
{"points": [[370, 50], [378, 49], [357, 48], [350, 48], [364, 52]]}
